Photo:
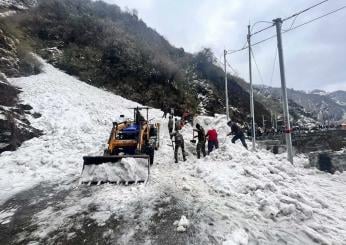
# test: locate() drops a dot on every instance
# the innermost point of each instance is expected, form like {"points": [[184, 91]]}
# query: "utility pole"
{"points": [[271, 119], [226, 83], [278, 24], [252, 109]]}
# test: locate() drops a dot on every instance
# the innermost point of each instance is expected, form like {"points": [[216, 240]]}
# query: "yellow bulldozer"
{"points": [[130, 152]]}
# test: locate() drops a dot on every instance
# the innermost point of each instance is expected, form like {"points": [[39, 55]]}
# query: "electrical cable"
{"points": [[293, 22], [291, 29], [229, 65], [258, 70], [266, 28], [317, 18], [304, 10], [273, 70]]}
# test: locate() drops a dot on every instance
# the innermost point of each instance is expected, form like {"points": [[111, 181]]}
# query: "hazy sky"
{"points": [[315, 54]]}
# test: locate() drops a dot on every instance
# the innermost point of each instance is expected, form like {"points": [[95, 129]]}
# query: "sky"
{"points": [[314, 55]]}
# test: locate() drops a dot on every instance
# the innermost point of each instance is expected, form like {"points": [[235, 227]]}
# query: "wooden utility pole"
{"points": [[288, 130], [252, 108]]}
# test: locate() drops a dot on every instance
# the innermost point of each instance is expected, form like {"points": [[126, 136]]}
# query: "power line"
{"points": [[295, 15], [266, 28], [229, 65], [317, 18], [294, 21], [291, 29], [258, 70], [304, 10], [273, 70]]}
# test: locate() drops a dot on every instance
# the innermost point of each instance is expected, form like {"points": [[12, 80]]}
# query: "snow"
{"points": [[7, 13], [182, 224], [126, 170], [21, 5], [241, 197], [76, 120], [6, 215]]}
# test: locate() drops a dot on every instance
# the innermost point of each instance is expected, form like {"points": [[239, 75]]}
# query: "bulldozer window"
{"points": [[126, 136]]}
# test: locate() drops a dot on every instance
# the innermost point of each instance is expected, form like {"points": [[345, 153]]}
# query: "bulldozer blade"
{"points": [[96, 160], [121, 169]]}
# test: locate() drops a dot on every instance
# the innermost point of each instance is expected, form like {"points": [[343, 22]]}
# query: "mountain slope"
{"points": [[107, 47], [339, 97], [318, 104], [16, 4]]}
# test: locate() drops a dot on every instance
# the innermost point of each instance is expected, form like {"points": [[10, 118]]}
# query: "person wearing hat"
{"points": [[237, 132]]}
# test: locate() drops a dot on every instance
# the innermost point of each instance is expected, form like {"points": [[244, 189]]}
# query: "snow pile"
{"points": [[76, 121], [123, 171], [182, 224], [238, 237], [263, 188]]}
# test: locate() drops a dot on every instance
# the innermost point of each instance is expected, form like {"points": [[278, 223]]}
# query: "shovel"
{"points": [[171, 144], [193, 141]]}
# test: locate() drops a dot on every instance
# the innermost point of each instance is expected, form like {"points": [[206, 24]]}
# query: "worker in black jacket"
{"points": [[201, 140], [237, 132], [179, 143], [170, 124]]}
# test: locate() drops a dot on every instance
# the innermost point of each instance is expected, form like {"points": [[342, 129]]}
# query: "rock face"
{"points": [[14, 127], [9, 62]]}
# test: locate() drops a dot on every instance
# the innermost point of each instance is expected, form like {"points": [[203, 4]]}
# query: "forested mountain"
{"points": [[107, 47]]}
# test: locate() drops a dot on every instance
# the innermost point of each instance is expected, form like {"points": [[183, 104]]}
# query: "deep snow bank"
{"points": [[76, 120], [264, 188]]}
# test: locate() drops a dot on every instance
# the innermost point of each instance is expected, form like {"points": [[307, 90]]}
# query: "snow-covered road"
{"points": [[232, 196]]}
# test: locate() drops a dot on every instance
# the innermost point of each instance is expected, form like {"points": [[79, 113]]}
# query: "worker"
{"points": [[179, 143], [212, 140], [201, 140], [186, 117], [176, 124], [237, 132], [139, 117], [170, 124], [165, 111]]}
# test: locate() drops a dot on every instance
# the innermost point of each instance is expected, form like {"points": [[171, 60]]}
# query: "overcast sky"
{"points": [[315, 54]]}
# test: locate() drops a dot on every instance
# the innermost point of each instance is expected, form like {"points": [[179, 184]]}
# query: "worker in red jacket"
{"points": [[212, 140]]}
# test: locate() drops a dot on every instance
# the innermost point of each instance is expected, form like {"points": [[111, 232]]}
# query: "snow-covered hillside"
{"points": [[17, 4], [76, 120], [233, 196], [318, 103]]}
